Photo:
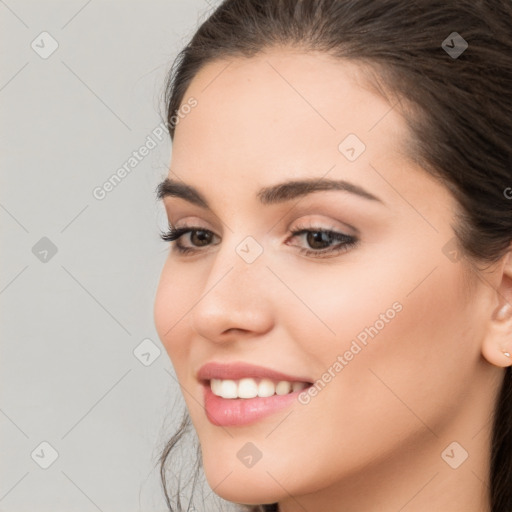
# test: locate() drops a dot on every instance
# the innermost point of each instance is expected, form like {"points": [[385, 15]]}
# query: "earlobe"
{"points": [[497, 345], [496, 354]]}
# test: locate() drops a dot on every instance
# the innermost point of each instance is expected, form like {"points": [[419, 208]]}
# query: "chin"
{"points": [[244, 486]]}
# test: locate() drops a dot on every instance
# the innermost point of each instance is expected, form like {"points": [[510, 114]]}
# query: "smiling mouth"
{"points": [[247, 388]]}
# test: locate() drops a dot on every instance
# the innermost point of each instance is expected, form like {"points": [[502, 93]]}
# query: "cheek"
{"points": [[411, 361], [400, 347], [170, 313]]}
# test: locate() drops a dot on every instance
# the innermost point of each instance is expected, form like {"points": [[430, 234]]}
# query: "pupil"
{"points": [[202, 236], [321, 237]]}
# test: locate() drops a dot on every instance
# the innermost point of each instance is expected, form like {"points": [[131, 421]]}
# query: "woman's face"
{"points": [[385, 319]]}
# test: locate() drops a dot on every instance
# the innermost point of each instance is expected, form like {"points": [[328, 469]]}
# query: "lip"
{"points": [[240, 370], [243, 411]]}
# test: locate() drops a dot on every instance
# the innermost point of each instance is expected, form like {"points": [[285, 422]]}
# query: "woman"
{"points": [[337, 298]]}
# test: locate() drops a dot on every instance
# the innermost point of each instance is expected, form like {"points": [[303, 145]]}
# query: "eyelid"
{"points": [[326, 224], [345, 242], [191, 222], [312, 222]]}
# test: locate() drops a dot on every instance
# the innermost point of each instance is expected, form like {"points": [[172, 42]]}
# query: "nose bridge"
{"points": [[237, 269], [233, 294]]}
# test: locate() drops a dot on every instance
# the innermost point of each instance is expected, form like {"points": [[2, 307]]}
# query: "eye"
{"points": [[324, 242], [199, 237]]}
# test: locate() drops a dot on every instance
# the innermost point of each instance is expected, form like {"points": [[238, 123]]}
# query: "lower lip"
{"points": [[227, 412]]}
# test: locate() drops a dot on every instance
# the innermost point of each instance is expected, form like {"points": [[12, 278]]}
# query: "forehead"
{"points": [[286, 114], [281, 107], [284, 98]]}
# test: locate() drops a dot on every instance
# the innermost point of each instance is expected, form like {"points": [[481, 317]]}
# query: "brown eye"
{"points": [[200, 237], [197, 237], [323, 243], [319, 239]]}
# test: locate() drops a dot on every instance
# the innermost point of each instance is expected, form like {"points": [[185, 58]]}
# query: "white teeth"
{"points": [[228, 389], [215, 384], [266, 388], [283, 387], [247, 388], [251, 388]]}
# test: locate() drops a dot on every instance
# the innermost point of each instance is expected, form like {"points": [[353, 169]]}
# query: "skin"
{"points": [[373, 438]]}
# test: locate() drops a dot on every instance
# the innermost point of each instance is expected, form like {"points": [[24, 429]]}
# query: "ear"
{"points": [[497, 344]]}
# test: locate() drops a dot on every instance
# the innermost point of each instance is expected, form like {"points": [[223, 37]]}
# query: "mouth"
{"points": [[242, 394], [248, 388]]}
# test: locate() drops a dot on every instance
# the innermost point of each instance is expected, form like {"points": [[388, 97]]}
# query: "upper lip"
{"points": [[240, 370]]}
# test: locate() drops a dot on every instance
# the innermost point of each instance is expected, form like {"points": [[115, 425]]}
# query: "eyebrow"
{"points": [[274, 194]]}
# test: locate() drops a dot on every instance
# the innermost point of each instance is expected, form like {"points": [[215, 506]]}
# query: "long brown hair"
{"points": [[457, 106]]}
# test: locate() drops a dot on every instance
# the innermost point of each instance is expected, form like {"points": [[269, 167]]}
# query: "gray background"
{"points": [[70, 321]]}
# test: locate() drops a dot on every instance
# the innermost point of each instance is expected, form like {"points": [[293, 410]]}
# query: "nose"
{"points": [[236, 300]]}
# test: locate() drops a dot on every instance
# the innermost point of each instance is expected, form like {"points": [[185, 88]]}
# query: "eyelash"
{"points": [[346, 242]]}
